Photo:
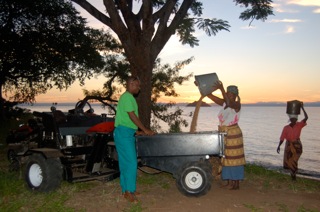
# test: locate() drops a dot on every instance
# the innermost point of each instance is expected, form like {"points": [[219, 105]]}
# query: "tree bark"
{"points": [[144, 97], [2, 112]]}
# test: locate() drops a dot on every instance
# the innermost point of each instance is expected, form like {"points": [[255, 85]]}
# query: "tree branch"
{"points": [[164, 33], [93, 11], [180, 14], [117, 24], [147, 21], [129, 18]]}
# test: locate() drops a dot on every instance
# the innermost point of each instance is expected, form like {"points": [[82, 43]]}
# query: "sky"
{"points": [[273, 61]]}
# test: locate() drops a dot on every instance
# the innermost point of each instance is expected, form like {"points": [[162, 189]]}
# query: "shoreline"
{"points": [[301, 172]]}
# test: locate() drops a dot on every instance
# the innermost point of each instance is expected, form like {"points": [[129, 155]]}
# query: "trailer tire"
{"points": [[194, 179], [43, 175]]}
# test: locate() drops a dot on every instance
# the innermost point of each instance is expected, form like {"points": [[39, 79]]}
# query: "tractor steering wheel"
{"points": [[80, 105]]}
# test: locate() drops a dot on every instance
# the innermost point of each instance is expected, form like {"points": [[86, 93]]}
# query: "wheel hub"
{"points": [[35, 175], [193, 180]]}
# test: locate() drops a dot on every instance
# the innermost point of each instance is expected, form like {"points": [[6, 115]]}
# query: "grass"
{"points": [[15, 196], [270, 179], [160, 180]]}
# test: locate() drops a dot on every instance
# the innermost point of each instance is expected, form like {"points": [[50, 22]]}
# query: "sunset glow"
{"points": [[277, 60]]}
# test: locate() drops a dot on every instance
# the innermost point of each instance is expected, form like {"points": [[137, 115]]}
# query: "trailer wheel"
{"points": [[194, 179], [42, 174]]}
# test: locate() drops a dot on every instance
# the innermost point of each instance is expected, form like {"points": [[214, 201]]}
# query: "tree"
{"points": [[145, 32], [44, 44]]}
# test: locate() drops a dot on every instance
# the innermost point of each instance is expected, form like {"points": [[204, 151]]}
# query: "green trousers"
{"points": [[127, 156]]}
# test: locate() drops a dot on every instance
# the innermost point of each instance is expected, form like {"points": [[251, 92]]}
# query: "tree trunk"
{"points": [[143, 69], [2, 112], [144, 98]]}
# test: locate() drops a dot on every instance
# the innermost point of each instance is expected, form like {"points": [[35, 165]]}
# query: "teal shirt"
{"points": [[127, 103]]}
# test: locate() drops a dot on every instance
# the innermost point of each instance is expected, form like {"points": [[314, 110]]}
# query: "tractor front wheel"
{"points": [[43, 174]]}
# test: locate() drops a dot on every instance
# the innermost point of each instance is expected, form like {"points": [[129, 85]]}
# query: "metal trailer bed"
{"points": [[185, 155]]}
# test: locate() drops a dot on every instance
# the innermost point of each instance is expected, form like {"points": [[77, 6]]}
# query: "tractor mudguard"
{"points": [[46, 152], [104, 127]]}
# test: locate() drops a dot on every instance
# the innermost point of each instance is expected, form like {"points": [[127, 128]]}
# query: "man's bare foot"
{"points": [[131, 197]]}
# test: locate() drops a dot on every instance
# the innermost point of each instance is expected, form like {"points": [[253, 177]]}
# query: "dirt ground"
{"points": [[163, 195]]}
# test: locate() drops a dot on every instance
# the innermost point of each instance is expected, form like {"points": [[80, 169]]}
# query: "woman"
{"points": [[293, 148], [234, 160]]}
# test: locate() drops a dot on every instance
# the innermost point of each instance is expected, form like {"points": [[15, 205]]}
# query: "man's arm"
{"points": [[135, 119]]}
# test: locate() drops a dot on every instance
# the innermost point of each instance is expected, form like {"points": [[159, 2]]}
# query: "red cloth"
{"points": [[292, 133]]}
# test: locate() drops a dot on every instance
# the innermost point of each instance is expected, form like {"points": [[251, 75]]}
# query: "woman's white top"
{"points": [[228, 116]]}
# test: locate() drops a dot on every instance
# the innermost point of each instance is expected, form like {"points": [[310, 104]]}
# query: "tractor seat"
{"points": [[59, 117]]}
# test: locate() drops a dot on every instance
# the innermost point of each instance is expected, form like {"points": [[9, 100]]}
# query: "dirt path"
{"points": [[163, 195]]}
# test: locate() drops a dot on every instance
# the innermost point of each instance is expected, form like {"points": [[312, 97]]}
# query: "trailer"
{"points": [[184, 155]]}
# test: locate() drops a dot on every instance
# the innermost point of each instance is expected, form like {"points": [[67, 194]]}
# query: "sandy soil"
{"points": [[163, 195]]}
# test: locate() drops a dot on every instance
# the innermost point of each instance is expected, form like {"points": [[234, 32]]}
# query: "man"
{"points": [[127, 123]]}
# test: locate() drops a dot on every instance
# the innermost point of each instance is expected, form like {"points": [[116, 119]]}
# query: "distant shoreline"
{"points": [[267, 104], [259, 104]]}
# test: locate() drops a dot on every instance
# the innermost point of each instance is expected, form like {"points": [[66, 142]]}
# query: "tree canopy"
{"points": [[144, 27], [164, 79], [44, 44]]}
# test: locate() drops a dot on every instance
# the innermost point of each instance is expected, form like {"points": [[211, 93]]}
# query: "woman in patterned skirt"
{"points": [[234, 158], [293, 147]]}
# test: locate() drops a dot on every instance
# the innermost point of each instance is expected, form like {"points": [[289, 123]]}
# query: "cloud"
{"points": [[316, 10], [285, 21], [280, 9], [174, 47], [305, 2], [248, 27], [289, 30]]}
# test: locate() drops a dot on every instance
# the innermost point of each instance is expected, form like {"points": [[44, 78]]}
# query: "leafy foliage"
{"points": [[212, 26], [259, 9], [44, 44], [185, 32], [164, 79]]}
